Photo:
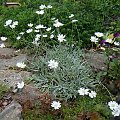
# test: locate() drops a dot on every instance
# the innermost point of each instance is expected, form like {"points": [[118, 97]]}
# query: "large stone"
{"points": [[12, 112], [7, 53], [11, 77], [28, 97], [6, 63], [96, 60]]}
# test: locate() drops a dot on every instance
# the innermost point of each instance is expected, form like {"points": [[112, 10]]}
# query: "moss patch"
{"points": [[35, 115], [3, 90]]}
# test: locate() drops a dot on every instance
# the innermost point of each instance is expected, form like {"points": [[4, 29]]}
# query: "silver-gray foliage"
{"points": [[72, 73]]}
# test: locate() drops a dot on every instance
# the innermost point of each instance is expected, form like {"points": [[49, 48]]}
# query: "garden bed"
{"points": [[60, 60]]}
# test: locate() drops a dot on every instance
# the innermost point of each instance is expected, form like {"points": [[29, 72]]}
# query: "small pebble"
{"points": [[14, 90], [4, 103]]}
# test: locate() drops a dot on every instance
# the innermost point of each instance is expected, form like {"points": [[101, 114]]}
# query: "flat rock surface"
{"points": [[96, 60], [6, 63], [7, 53], [28, 92], [11, 77], [12, 112], [28, 97]]}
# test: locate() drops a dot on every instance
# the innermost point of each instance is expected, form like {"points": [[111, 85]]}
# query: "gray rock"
{"points": [[96, 60], [11, 77], [6, 63], [12, 112], [28, 97], [7, 53]]}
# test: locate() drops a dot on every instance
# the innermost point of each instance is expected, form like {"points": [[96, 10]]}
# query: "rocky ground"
{"points": [[12, 104]]}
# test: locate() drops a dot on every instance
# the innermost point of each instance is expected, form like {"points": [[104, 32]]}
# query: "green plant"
{"points": [[44, 19], [113, 63], [3, 90], [109, 43], [98, 104], [70, 110], [35, 115], [92, 15], [72, 72], [114, 70]]}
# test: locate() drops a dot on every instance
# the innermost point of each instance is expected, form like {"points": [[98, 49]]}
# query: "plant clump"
{"points": [[62, 71]]}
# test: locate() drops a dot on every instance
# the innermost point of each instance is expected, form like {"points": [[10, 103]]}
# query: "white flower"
{"points": [[52, 18], [72, 45], [21, 65], [2, 45], [118, 108], [51, 36], [52, 64], [38, 36], [53, 31], [35, 42], [48, 29], [29, 30], [21, 33], [83, 91], [36, 31], [115, 113], [71, 16], [57, 23], [38, 12], [92, 94], [74, 21], [36, 39], [8, 22], [94, 39], [61, 38], [12, 26], [99, 34], [109, 40], [44, 35], [102, 48], [15, 23], [113, 105], [3, 38], [40, 26], [20, 85], [41, 12], [42, 7], [49, 6], [56, 105], [30, 24], [18, 38], [17, 50], [116, 43]]}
